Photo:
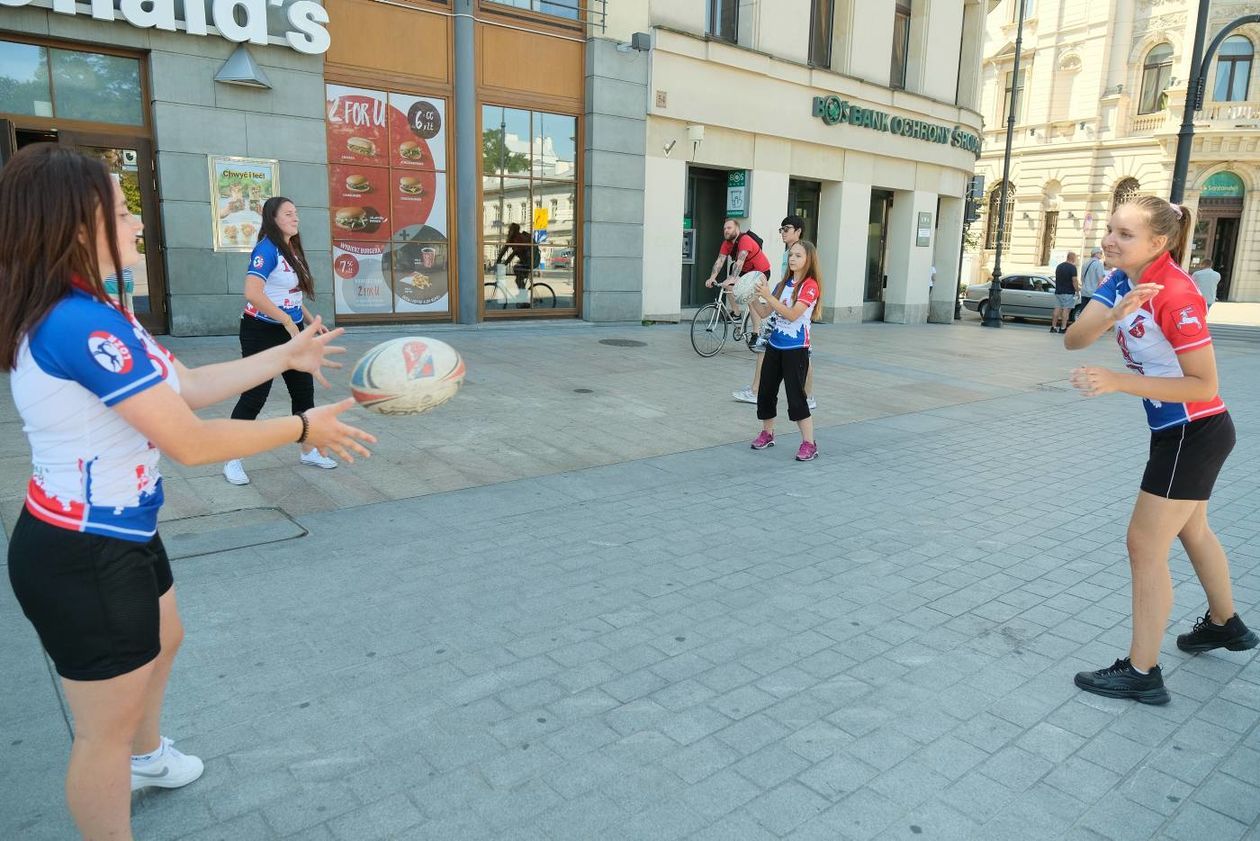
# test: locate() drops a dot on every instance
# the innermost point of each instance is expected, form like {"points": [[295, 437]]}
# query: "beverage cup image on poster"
{"points": [[361, 284], [240, 187]]}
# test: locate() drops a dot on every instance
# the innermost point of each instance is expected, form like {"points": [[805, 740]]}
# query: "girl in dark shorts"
{"points": [[1159, 319], [99, 399]]}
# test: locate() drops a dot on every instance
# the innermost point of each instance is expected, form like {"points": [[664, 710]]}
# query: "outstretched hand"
{"points": [[309, 350], [327, 431]]}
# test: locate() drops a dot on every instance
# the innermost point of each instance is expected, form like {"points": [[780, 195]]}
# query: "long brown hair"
{"points": [[811, 270], [1166, 219], [53, 203], [290, 250]]}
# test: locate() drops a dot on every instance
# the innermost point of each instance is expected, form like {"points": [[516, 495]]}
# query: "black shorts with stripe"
{"points": [[1185, 460]]}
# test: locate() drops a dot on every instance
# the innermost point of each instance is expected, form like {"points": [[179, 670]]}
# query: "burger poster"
{"points": [[387, 199], [361, 285], [417, 132], [358, 126], [240, 187]]}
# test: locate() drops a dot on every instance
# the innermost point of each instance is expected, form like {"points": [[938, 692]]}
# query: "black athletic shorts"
{"points": [[1185, 460], [93, 600]]}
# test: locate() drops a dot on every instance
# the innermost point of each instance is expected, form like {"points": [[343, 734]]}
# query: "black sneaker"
{"points": [[1121, 680], [1205, 636]]}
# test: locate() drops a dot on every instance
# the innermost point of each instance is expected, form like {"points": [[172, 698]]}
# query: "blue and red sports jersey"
{"points": [[280, 282], [793, 334], [1152, 337], [92, 471]]}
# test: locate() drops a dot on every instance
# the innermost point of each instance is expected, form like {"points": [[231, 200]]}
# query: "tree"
{"points": [[496, 157]]}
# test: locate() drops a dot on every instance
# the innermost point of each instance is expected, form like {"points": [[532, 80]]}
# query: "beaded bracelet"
{"points": [[306, 427]]}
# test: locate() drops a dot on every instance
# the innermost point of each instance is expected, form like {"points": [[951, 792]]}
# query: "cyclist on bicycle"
{"points": [[518, 245], [739, 252]]}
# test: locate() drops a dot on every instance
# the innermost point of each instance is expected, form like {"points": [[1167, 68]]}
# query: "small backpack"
{"points": [[734, 255]]}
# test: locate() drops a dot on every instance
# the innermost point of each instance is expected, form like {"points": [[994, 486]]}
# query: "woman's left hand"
{"points": [[1092, 381], [309, 350]]}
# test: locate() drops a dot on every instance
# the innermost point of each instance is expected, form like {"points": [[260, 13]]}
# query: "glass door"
{"points": [[131, 159]]}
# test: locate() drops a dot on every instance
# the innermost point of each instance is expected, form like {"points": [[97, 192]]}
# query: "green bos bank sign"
{"points": [[833, 110]]}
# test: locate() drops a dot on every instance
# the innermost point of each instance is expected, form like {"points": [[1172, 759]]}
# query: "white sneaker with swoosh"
{"points": [[170, 769]]}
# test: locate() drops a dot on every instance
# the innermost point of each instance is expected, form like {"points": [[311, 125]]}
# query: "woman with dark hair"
{"points": [[1159, 320], [276, 285], [787, 349], [99, 400]]}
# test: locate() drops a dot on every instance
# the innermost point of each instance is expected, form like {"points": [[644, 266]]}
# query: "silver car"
{"points": [[1023, 295]]}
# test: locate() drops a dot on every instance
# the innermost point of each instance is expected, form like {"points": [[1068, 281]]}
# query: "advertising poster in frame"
{"points": [[240, 187]]}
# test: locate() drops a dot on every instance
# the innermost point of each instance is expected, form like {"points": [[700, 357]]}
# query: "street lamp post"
{"points": [[993, 312], [1199, 63]]}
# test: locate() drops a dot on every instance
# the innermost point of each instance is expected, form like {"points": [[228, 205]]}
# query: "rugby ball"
{"points": [[746, 287], [407, 376]]}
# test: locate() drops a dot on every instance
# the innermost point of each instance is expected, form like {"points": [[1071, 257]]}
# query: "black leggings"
{"points": [[790, 368], [256, 336]]}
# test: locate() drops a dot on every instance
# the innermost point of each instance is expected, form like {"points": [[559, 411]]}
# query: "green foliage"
{"points": [[495, 156]]}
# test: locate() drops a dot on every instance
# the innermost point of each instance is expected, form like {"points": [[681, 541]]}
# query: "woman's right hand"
{"points": [[1136, 297], [326, 431]]}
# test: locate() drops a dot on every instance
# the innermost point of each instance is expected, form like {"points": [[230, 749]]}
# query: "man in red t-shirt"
{"points": [[740, 253]]}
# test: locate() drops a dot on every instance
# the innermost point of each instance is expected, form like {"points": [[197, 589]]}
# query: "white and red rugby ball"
{"points": [[407, 376]]}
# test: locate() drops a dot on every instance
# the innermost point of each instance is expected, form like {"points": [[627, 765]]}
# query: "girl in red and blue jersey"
{"points": [[277, 284], [787, 350], [1159, 319], [99, 399]]}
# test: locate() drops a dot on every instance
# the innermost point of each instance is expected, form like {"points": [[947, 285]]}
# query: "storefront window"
{"points": [[529, 161], [559, 8], [84, 86], [387, 199], [24, 80], [95, 87]]}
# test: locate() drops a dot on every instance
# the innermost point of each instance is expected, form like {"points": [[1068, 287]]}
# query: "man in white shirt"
{"points": [[1207, 279]]}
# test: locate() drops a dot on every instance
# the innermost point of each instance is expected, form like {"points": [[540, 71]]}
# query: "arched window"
{"points": [[1156, 73], [1125, 190], [991, 224], [1233, 70]]}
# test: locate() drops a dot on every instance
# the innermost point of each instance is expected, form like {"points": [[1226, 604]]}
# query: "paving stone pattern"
{"points": [[709, 644]]}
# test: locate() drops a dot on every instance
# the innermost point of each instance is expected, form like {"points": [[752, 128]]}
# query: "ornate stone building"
{"points": [[1101, 91]]}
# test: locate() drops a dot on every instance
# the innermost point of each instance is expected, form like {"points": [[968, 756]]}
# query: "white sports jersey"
{"points": [[93, 472], [280, 282], [795, 334]]}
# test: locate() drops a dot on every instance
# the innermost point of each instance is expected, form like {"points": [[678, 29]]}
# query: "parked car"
{"points": [[563, 259], [1023, 295]]}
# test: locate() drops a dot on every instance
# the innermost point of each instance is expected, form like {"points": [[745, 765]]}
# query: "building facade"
{"points": [[467, 160], [859, 115], [1097, 113]]}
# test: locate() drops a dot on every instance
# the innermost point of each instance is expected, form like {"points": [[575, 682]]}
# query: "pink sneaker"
{"points": [[765, 439], [807, 452]]}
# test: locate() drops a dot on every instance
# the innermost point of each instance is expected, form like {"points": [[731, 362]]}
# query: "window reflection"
{"points": [[101, 88], [24, 80], [560, 8]]}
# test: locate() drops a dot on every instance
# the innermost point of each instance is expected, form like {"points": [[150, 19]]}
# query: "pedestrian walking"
{"points": [[276, 286], [787, 354], [1092, 276], [1207, 279], [1067, 284], [1160, 322], [99, 399]]}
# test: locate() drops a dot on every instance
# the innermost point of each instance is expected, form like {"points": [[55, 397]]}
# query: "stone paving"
{"points": [[675, 637]]}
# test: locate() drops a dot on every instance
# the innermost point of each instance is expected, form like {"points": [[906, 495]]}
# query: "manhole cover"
{"points": [[583, 391], [622, 343]]}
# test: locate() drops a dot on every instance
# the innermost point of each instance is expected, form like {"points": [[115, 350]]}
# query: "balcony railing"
{"points": [[1148, 123], [1234, 113]]}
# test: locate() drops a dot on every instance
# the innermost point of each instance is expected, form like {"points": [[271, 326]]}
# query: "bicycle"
{"points": [[499, 296], [713, 322]]}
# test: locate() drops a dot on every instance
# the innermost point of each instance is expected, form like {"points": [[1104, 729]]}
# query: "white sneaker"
{"points": [[234, 472], [745, 396], [170, 769], [314, 459], [811, 403]]}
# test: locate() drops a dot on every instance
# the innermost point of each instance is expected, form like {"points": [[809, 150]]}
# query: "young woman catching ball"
{"points": [[1159, 319]]}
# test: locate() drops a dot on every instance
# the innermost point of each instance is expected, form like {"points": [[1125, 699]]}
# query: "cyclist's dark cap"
{"points": [[793, 221]]}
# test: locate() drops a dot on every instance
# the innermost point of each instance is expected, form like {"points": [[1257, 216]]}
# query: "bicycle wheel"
{"points": [[495, 297], [542, 295], [708, 330], [747, 335]]}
